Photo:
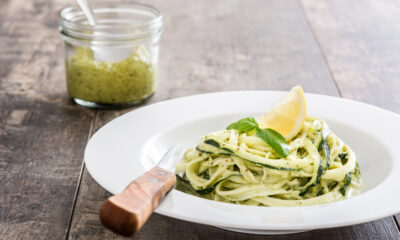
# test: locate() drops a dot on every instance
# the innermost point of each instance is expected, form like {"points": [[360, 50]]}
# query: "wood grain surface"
{"points": [[342, 48], [42, 134], [361, 43]]}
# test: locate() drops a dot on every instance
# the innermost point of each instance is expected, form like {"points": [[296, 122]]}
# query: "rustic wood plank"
{"points": [[41, 150], [42, 134], [361, 41], [271, 48]]}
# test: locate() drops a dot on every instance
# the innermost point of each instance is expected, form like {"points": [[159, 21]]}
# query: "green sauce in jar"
{"points": [[127, 81]]}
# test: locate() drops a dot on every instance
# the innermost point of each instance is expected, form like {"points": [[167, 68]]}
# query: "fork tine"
{"points": [[166, 154], [170, 157]]}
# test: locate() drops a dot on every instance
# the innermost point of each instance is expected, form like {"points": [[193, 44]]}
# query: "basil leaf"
{"points": [[244, 125], [270, 136], [275, 140]]}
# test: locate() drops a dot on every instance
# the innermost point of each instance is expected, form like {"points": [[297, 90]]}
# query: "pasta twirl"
{"points": [[236, 167]]}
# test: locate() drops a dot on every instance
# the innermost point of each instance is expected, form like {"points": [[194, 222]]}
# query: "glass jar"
{"points": [[115, 62]]}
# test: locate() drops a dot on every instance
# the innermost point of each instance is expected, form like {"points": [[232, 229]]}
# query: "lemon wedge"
{"points": [[288, 115]]}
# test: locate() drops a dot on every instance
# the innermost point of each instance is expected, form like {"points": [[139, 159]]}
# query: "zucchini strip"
{"points": [[325, 146], [213, 186], [343, 189]]}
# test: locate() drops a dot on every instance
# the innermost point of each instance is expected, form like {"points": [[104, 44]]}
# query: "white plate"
{"points": [[131, 144]]}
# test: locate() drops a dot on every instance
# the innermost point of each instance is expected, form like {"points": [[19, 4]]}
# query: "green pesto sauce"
{"points": [[126, 81]]}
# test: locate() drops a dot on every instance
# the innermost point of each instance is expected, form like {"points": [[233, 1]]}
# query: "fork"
{"points": [[127, 212]]}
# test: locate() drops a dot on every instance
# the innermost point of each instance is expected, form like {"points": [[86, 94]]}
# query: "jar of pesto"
{"points": [[115, 62]]}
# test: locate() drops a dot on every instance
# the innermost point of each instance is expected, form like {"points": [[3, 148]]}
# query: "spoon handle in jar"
{"points": [[87, 10]]}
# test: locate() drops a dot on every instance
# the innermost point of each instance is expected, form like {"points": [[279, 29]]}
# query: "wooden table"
{"points": [[344, 48]]}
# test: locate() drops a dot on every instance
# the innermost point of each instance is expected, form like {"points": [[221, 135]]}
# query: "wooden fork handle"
{"points": [[126, 212]]}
